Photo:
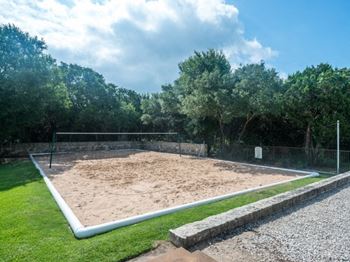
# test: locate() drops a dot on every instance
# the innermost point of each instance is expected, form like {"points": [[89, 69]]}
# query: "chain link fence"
{"points": [[319, 159]]}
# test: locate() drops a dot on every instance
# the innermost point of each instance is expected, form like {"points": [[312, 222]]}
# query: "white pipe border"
{"points": [[263, 166], [73, 221], [84, 232]]}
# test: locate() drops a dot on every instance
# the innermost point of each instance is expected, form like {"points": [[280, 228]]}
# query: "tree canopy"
{"points": [[209, 101], [38, 95]]}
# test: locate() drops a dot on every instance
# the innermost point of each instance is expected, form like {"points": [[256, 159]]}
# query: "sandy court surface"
{"points": [[106, 186]]}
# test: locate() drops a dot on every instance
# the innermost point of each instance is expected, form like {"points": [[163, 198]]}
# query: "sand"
{"points": [[107, 186]]}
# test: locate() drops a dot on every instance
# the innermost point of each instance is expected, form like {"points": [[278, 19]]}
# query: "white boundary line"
{"points": [[263, 166], [83, 232], [73, 221]]}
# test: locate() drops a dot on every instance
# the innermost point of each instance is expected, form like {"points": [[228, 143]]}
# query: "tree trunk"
{"points": [[248, 120], [221, 126], [308, 143], [307, 137]]}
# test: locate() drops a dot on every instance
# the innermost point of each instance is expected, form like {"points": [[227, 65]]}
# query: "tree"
{"points": [[256, 93], [208, 101], [129, 118], [206, 90], [38, 96], [315, 98], [94, 105], [28, 87], [152, 113]]}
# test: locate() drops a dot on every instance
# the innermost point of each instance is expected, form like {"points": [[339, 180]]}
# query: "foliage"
{"points": [[31, 94], [315, 99], [205, 84], [256, 93], [37, 95], [152, 113], [209, 101]]}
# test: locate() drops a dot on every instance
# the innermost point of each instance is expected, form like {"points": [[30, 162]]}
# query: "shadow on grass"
{"points": [[16, 174]]}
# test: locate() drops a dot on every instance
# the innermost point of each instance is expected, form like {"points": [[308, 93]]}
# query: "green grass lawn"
{"points": [[32, 227]]}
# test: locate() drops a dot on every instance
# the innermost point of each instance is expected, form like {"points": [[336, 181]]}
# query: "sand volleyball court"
{"points": [[110, 185]]}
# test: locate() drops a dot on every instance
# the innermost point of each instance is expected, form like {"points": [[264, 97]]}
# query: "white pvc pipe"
{"points": [[83, 232], [73, 221], [98, 229], [263, 166]]}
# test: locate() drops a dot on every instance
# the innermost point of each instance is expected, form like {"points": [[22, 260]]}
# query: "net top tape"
{"points": [[117, 133]]}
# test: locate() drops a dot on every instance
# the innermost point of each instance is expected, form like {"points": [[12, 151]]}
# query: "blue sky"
{"points": [[304, 32], [138, 44]]}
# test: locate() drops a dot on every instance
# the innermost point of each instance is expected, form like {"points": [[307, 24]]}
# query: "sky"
{"points": [[137, 44], [303, 32]]}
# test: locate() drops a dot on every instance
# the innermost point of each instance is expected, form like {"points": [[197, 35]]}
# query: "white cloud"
{"points": [[283, 75], [134, 43]]}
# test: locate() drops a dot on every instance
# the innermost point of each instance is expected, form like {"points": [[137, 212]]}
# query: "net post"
{"points": [[200, 150], [52, 148], [338, 147], [179, 142]]}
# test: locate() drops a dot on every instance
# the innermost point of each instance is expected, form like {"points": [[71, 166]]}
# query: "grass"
{"points": [[32, 227]]}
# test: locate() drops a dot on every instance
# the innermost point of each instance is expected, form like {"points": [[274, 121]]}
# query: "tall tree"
{"points": [[256, 93], [205, 84], [28, 87], [129, 118], [152, 116], [315, 99], [94, 106]]}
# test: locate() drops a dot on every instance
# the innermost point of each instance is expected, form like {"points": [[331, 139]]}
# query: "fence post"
{"points": [[179, 142], [338, 149], [53, 145]]}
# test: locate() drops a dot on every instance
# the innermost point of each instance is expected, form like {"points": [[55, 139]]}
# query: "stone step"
{"points": [[182, 255]]}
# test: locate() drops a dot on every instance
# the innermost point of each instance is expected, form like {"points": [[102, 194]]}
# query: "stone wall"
{"points": [[22, 150], [173, 147], [204, 230]]}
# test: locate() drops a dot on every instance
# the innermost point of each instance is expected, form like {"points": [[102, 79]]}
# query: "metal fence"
{"points": [[320, 159]]}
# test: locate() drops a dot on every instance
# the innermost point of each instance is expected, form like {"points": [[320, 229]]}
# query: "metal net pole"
{"points": [[53, 145], [338, 147], [179, 142]]}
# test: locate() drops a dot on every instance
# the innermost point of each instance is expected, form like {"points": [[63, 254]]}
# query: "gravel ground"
{"points": [[316, 231]]}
